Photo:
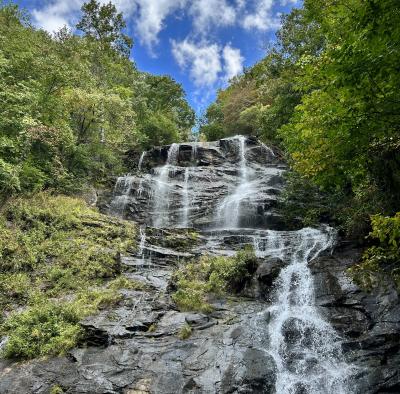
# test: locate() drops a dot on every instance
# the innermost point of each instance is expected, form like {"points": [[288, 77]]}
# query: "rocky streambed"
{"points": [[299, 325]]}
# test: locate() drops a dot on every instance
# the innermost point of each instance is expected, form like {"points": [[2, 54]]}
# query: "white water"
{"points": [[142, 156], [305, 347], [185, 199], [122, 191], [162, 188], [228, 213], [194, 151]]}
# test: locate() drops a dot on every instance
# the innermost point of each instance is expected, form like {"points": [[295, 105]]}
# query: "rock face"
{"points": [[190, 183], [299, 325]]}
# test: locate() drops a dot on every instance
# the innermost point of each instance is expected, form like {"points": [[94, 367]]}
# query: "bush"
{"points": [[52, 247], [216, 275], [43, 329], [185, 332], [380, 263]]}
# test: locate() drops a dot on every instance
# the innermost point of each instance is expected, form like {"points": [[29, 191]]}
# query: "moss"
{"points": [[178, 239], [216, 275], [52, 247], [56, 390], [152, 328], [185, 332], [122, 282]]}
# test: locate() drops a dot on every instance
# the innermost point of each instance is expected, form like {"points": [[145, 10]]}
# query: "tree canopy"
{"points": [[328, 93], [72, 105]]}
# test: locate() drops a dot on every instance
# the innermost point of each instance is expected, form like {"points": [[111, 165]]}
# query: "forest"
{"points": [[72, 104], [326, 96]]}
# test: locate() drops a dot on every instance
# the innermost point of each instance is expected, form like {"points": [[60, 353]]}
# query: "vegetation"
{"points": [[72, 105], [328, 93], [56, 258], [215, 275], [380, 263], [185, 332]]}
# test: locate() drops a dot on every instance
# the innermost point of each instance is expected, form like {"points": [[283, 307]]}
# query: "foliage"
{"points": [[328, 92], [72, 105], [104, 23], [212, 274], [56, 256], [185, 331], [382, 261]]}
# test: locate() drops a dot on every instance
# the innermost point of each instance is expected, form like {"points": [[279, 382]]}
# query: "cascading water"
{"points": [[142, 243], [305, 347], [162, 187], [229, 210], [274, 339], [122, 191], [185, 199], [142, 156]]}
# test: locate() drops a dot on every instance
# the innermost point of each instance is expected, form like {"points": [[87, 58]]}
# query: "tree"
{"points": [[104, 23]]}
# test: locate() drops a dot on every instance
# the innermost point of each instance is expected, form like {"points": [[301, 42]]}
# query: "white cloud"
{"points": [[151, 15], [59, 13], [233, 61], [202, 60], [207, 13], [56, 14], [207, 63], [262, 17]]}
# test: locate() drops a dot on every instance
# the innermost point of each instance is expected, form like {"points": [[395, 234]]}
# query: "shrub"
{"points": [[212, 275], [52, 247], [51, 327], [42, 329], [185, 331], [380, 262]]}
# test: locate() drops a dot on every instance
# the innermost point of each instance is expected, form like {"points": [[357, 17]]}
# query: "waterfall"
{"points": [[185, 200], [122, 191], [194, 152], [268, 149], [142, 156], [228, 213], [142, 243], [305, 347], [162, 187]]}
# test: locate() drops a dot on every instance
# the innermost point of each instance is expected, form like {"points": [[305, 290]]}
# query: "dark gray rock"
{"points": [[269, 270]]}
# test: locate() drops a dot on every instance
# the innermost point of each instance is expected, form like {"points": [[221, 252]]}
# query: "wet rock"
{"points": [[213, 172], [269, 270]]}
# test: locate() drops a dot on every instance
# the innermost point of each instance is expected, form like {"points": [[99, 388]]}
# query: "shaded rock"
{"points": [[254, 373], [269, 270]]}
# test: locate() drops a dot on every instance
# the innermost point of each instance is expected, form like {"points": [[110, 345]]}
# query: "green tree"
{"points": [[104, 23]]}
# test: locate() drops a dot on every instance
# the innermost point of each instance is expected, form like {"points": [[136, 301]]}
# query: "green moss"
{"points": [[215, 275], [52, 247], [122, 282], [56, 390], [185, 332]]}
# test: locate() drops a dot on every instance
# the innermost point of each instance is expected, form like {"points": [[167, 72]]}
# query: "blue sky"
{"points": [[200, 43]]}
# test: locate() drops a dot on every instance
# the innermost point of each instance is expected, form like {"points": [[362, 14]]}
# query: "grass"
{"points": [[218, 275], [185, 332], [59, 262]]}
